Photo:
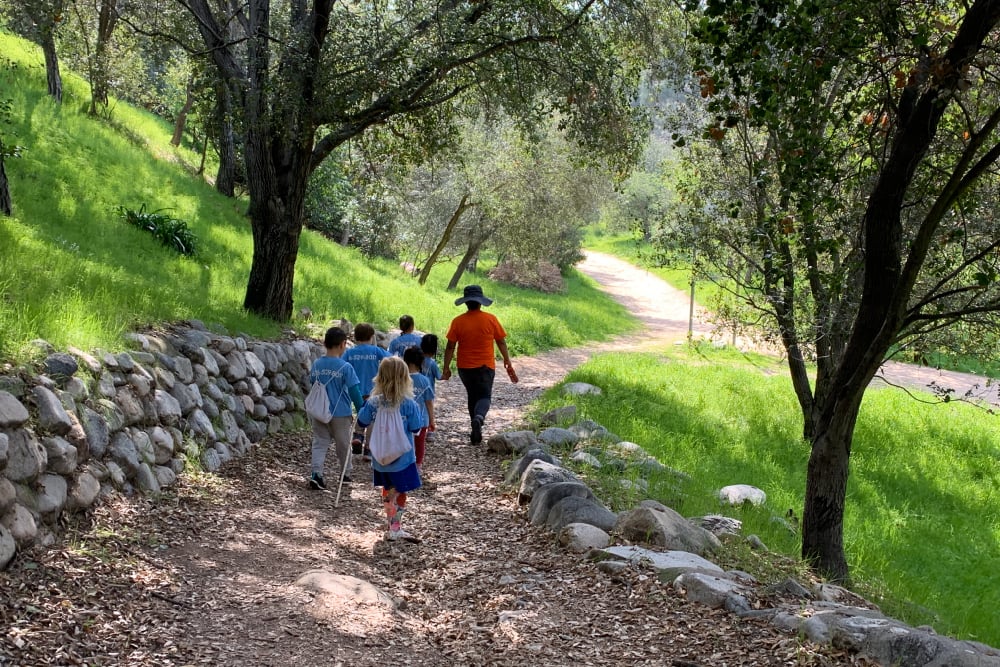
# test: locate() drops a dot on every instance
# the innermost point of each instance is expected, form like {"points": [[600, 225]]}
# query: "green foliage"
{"points": [[169, 231], [73, 274], [923, 513]]}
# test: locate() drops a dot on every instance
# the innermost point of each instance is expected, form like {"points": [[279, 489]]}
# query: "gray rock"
{"points": [[236, 366], [21, 524], [588, 429], [165, 378], [558, 437], [4, 448], [201, 425], [718, 525], [51, 496], [756, 543], [143, 445], [106, 385], [60, 454], [124, 452], [666, 528], [60, 366], [512, 442], [83, 491], [125, 362], [77, 388], [52, 416], [8, 547], [345, 588], [165, 476], [129, 404], [117, 475], [668, 564], [740, 494], [255, 367], [713, 591], [580, 389], [167, 408], [13, 385], [140, 384], [146, 480], [186, 398], [230, 429], [547, 496], [629, 450], [563, 415], [112, 414], [539, 473], [8, 494], [96, 429], [87, 360], [183, 369], [580, 510], [210, 460], [586, 458], [26, 458], [582, 537]]}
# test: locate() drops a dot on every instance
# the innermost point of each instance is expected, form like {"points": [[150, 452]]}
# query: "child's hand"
{"points": [[432, 427], [446, 374]]}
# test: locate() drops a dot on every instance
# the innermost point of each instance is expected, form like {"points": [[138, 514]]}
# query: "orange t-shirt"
{"points": [[475, 332]]}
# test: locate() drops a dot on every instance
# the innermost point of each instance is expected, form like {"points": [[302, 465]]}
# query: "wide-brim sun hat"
{"points": [[473, 293]]}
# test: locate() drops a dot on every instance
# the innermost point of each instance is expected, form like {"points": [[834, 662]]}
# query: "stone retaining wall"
{"points": [[88, 424]]}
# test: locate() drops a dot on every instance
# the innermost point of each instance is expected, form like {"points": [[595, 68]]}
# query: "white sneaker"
{"points": [[396, 535]]}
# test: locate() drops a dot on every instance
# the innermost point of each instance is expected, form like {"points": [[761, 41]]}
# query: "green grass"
{"points": [[73, 272], [922, 524]]}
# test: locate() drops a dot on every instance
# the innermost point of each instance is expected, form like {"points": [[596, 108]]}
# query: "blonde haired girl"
{"points": [[393, 391]]}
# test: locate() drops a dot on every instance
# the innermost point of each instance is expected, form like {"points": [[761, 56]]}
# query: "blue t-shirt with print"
{"points": [[422, 392], [339, 377], [410, 414], [365, 359], [403, 341]]}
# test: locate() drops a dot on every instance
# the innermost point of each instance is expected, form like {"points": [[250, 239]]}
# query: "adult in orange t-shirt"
{"points": [[474, 334]]}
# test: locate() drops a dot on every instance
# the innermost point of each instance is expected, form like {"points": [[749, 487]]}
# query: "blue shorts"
{"points": [[407, 479]]}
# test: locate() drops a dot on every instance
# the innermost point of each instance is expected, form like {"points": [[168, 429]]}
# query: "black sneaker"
{"points": [[367, 455], [316, 482], [477, 430], [347, 479], [357, 443]]}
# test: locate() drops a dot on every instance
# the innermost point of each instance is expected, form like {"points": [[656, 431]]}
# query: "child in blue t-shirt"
{"points": [[365, 357], [423, 394], [406, 338], [394, 389], [429, 366], [342, 389]]}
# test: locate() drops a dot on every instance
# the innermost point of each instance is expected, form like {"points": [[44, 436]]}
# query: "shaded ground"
{"points": [[207, 575]]}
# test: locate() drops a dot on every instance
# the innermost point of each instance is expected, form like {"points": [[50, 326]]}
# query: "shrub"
{"points": [[170, 231]]}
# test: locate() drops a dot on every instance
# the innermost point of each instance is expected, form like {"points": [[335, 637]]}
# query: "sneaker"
{"points": [[477, 430], [367, 455], [316, 482], [347, 479], [397, 535], [357, 443]]}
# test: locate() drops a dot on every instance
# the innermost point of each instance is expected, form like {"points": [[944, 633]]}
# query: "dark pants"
{"points": [[479, 386]]}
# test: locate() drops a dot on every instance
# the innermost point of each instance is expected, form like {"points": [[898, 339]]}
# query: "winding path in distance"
{"points": [[664, 310]]}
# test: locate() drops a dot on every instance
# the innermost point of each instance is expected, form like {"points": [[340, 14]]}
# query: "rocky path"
{"points": [[209, 574]]}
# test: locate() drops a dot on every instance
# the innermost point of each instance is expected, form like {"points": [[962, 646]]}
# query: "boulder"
{"points": [[582, 537], [668, 564], [8, 547], [539, 473], [563, 415], [547, 496], [52, 416], [580, 389], [558, 437], [512, 442], [572, 509], [741, 494], [26, 457], [60, 454], [662, 526]]}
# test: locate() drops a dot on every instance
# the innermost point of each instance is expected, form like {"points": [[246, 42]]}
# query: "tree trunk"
{"points": [[276, 231], [183, 114], [6, 206], [107, 19], [225, 179], [826, 489], [470, 253], [445, 237], [52, 75]]}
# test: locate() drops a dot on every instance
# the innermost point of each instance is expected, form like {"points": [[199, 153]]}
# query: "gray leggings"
{"points": [[337, 431]]}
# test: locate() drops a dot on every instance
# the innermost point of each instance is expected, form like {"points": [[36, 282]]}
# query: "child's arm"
{"points": [[430, 413]]}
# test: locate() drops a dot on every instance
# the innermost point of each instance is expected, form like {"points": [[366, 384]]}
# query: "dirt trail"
{"points": [[208, 575]]}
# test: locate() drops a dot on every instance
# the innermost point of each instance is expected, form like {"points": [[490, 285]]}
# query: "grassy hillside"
{"points": [[73, 273]]}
